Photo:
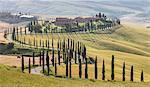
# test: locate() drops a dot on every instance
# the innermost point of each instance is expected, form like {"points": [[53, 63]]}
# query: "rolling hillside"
{"points": [[126, 43]]}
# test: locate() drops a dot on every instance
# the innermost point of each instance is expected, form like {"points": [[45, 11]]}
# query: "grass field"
{"points": [[12, 77], [125, 43]]}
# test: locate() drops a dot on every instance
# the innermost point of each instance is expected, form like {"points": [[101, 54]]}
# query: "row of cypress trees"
{"points": [[112, 71], [69, 67]]}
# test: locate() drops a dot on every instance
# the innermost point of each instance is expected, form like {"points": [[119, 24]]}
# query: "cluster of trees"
{"points": [[34, 26]]}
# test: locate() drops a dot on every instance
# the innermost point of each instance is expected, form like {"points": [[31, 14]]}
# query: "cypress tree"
{"points": [[75, 57], [55, 67], [86, 69], [47, 62], [84, 53], [33, 59], [58, 53], [88, 26], [78, 48], [96, 69], [53, 56], [131, 78], [70, 70], [91, 22], [29, 65], [43, 60], [25, 30], [52, 43], [13, 34], [68, 43], [59, 56], [78, 51], [40, 58], [80, 69], [63, 49], [142, 76], [123, 72], [22, 64], [103, 71], [112, 68], [60, 45], [48, 44], [73, 45], [67, 67]]}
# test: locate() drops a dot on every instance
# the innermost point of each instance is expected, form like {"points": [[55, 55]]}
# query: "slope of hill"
{"points": [[12, 77], [125, 43]]}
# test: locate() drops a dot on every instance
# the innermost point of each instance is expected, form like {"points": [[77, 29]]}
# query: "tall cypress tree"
{"points": [[103, 71], [58, 53], [63, 50], [40, 58], [131, 78], [96, 69], [36, 43], [48, 44], [43, 60], [91, 23], [68, 43], [84, 53], [112, 68], [60, 45], [22, 64], [80, 69], [47, 62], [75, 57], [59, 56], [53, 56], [70, 70], [52, 43], [67, 67], [142, 76], [33, 59], [25, 30], [13, 34], [73, 45], [55, 67], [78, 47], [123, 77], [29, 65], [86, 69]]}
